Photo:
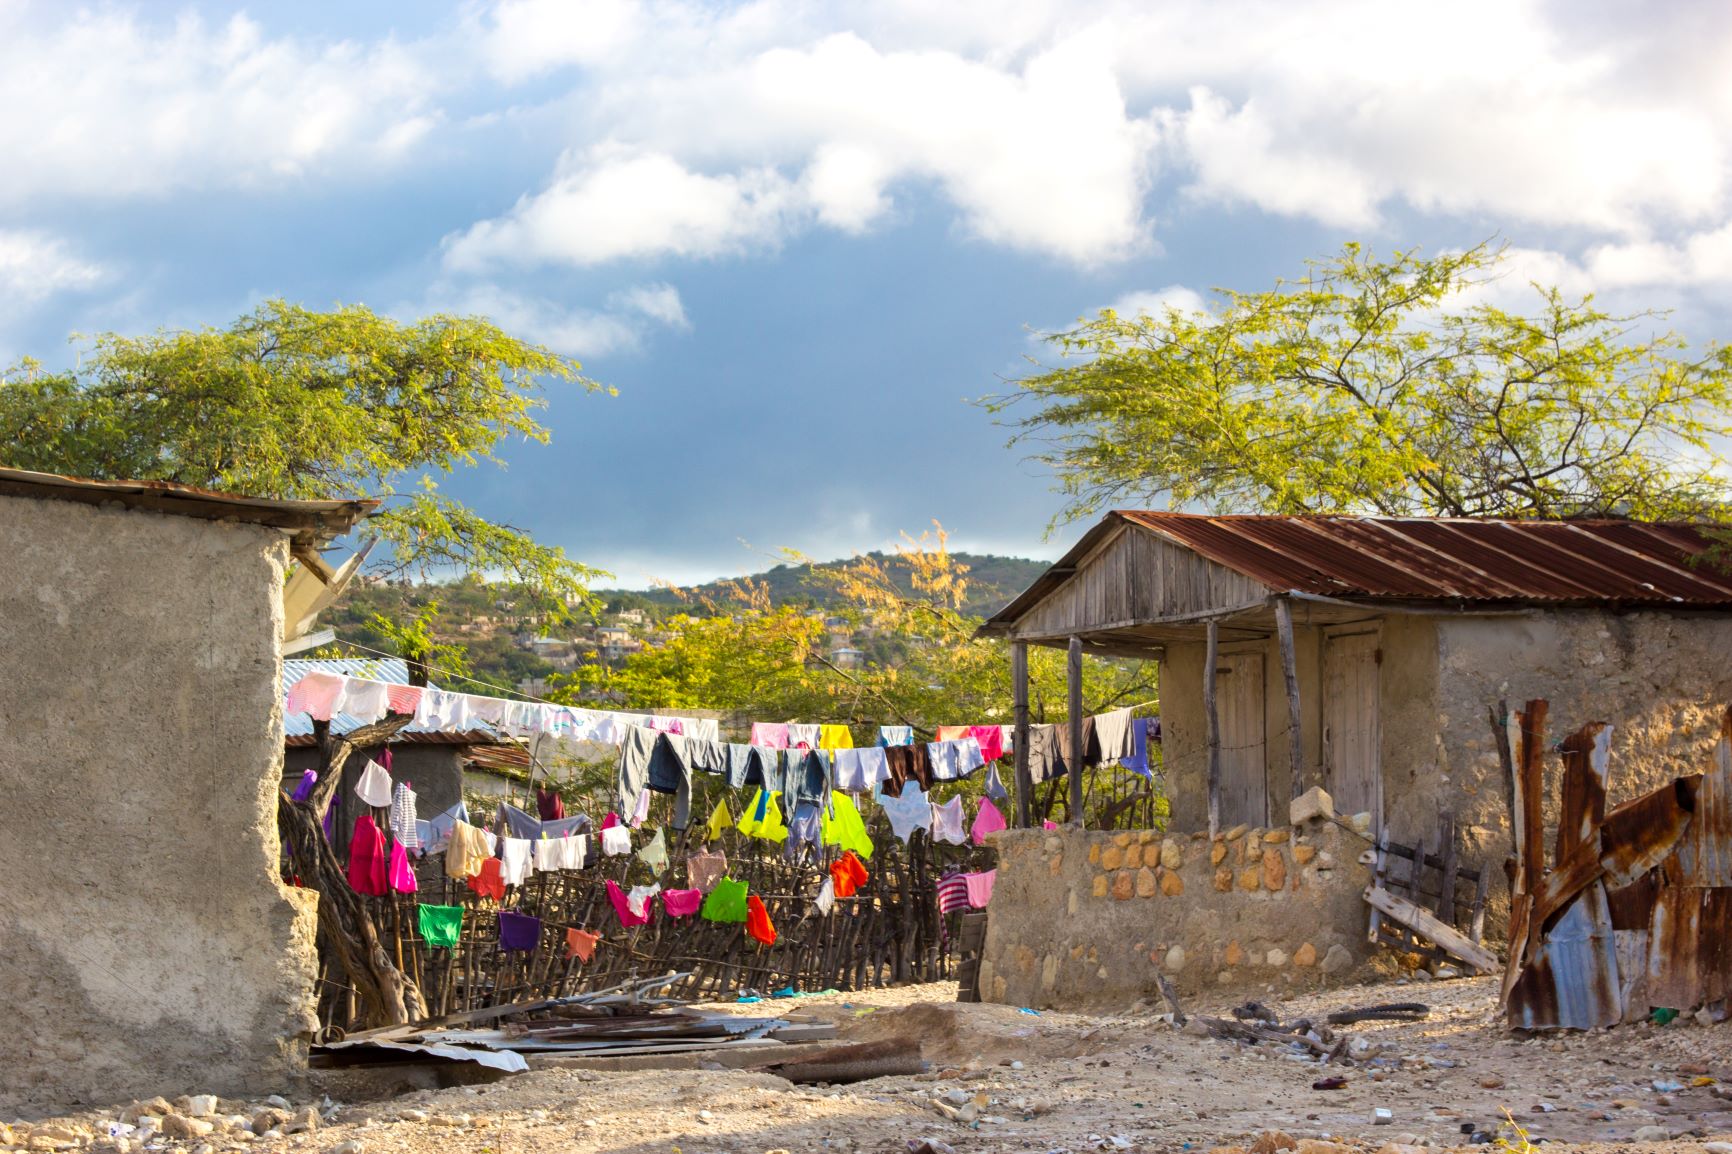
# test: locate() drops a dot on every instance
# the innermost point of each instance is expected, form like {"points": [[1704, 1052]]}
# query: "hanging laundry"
{"points": [[400, 876], [682, 903], [994, 785], [366, 701], [374, 788], [720, 819], [440, 926], [907, 763], [835, 737], [843, 826], [611, 820], [771, 734], [725, 903], [468, 848], [1113, 731], [1044, 760], [434, 834], [641, 813], [655, 853], [403, 817], [549, 804], [848, 874], [950, 733], [908, 811], [889, 735], [309, 779], [580, 944], [826, 899], [403, 698], [952, 760], [952, 893], [804, 828], [1091, 750], [515, 854], [518, 933], [1141, 730], [706, 754], [489, 881], [808, 775], [622, 908], [367, 871], [987, 820], [616, 841], [947, 822], [639, 899], [703, 728], [561, 853], [763, 818], [979, 886], [802, 736], [758, 921], [990, 738], [705, 868], [315, 694], [1047, 823], [849, 771], [654, 760]]}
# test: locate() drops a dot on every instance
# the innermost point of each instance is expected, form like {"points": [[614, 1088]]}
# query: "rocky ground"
{"points": [[1004, 1079]]}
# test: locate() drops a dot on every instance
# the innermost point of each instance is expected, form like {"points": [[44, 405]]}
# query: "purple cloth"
{"points": [[1143, 730], [518, 931], [309, 778]]}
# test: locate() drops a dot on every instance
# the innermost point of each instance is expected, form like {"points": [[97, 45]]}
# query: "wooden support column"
{"points": [[1074, 706], [1212, 725], [1290, 676], [1019, 696]]}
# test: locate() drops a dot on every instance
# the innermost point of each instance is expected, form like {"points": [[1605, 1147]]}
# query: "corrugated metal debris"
{"points": [[1636, 912]]}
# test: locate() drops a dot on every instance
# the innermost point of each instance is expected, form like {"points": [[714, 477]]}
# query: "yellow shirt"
{"points": [[835, 737], [770, 826]]}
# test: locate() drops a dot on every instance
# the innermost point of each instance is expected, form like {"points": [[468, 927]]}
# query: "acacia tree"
{"points": [[291, 403], [1380, 386]]}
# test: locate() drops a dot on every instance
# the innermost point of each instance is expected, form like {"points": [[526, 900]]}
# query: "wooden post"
{"points": [[1019, 696], [1212, 725], [1074, 703], [1290, 675]]}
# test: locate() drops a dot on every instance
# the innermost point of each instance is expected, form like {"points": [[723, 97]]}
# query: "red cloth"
{"points": [[550, 804], [758, 920], [367, 873], [623, 908], [847, 874], [991, 739], [580, 944], [402, 699], [489, 883]]}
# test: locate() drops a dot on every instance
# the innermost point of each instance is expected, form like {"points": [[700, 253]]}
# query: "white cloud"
{"points": [[105, 103], [35, 266], [630, 316], [1156, 303]]}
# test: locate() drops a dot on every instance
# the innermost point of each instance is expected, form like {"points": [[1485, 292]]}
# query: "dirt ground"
{"points": [[1051, 1082]]}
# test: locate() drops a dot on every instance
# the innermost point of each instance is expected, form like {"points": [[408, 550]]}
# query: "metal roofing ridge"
{"points": [[1649, 529], [174, 489], [1313, 526], [1450, 524]]}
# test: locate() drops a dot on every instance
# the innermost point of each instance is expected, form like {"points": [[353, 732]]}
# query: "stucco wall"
{"points": [[145, 943], [1089, 918], [1660, 679]]}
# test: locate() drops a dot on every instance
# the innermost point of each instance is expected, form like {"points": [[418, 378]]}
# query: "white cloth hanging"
{"points": [[374, 787]]}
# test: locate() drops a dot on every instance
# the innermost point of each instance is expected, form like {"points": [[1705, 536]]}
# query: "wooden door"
{"points": [[1350, 725], [1244, 755]]}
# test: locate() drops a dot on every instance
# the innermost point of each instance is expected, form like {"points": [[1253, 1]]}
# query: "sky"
{"points": [[799, 238]]}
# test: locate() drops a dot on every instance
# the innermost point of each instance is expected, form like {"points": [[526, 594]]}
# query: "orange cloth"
{"points": [[951, 732], [848, 874], [488, 882], [758, 920], [580, 944]]}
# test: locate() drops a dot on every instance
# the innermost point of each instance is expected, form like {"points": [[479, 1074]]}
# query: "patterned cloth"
{"points": [[705, 868], [403, 817], [952, 893]]}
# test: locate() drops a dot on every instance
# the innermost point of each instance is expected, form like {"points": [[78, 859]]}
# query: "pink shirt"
{"points": [[767, 733]]}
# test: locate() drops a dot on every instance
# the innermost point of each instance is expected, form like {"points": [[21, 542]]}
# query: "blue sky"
{"points": [[797, 237]]}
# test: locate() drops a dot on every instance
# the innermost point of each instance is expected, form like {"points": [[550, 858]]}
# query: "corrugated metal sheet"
{"points": [[298, 727], [1430, 559]]}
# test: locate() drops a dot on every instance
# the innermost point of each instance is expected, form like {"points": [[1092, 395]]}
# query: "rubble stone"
{"points": [[1305, 955], [180, 1126], [1274, 870], [1270, 1141], [1124, 885], [1147, 887], [1337, 959], [1172, 884]]}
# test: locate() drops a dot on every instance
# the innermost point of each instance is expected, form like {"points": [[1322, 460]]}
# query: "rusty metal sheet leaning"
{"points": [[1640, 834], [1689, 946], [1705, 850], [1572, 982]]}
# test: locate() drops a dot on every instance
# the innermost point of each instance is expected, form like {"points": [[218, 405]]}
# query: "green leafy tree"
{"points": [[1381, 386], [291, 403]]}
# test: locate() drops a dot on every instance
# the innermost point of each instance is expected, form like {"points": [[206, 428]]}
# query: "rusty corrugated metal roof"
{"points": [[1431, 559]]}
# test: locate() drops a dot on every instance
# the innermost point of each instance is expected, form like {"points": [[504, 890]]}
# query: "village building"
{"points": [[150, 946], [1363, 655]]}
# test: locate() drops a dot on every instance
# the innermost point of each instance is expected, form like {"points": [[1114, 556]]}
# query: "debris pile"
{"points": [[1303, 1039]]}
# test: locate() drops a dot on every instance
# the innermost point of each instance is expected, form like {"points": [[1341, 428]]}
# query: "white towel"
{"points": [[616, 841], [514, 861]]}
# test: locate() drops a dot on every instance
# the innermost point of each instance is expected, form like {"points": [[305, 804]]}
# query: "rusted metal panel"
{"points": [[1689, 946], [1640, 834], [1572, 980], [1705, 850], [1586, 754]]}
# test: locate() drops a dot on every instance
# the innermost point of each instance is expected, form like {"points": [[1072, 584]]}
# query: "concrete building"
{"points": [[149, 945], [1365, 655]]}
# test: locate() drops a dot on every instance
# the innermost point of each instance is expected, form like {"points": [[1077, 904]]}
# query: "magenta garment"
{"points": [[667, 725], [991, 739], [771, 734], [402, 878], [682, 903], [316, 694], [611, 820], [979, 888], [367, 858], [518, 931], [623, 907], [988, 820], [1048, 824]]}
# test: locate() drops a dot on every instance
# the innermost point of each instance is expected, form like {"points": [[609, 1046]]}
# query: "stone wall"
{"points": [[147, 944], [1089, 918]]}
